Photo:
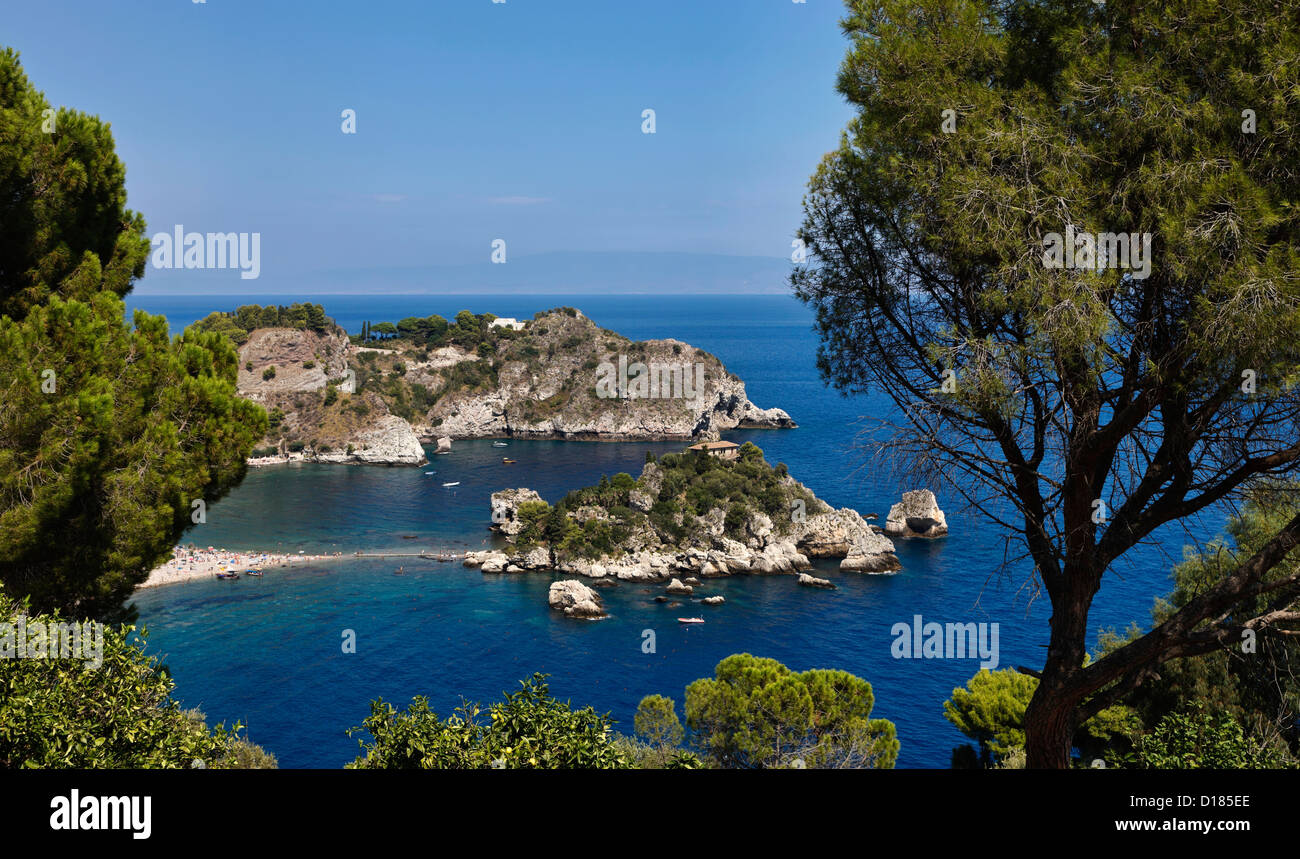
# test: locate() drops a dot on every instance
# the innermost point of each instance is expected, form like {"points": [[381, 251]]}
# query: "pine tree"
{"points": [[109, 432], [1082, 407]]}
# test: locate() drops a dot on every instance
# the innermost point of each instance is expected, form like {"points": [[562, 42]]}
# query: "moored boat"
{"points": [[690, 620]]}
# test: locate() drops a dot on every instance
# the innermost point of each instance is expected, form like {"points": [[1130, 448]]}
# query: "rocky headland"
{"points": [[559, 375], [375, 398], [304, 380]]}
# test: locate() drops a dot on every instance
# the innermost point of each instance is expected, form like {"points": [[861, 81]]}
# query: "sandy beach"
{"points": [[190, 563]]}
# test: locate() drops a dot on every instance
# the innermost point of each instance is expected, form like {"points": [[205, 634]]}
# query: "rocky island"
{"points": [[377, 396], [691, 514], [917, 515]]}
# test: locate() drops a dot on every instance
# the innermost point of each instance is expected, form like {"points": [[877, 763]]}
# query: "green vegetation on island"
{"points": [[249, 317], [468, 331], [670, 504]]}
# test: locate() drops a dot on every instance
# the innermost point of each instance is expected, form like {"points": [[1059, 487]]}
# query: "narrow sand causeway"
{"points": [[188, 564]]}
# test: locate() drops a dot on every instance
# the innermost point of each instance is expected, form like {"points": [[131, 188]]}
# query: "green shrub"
{"points": [[69, 713], [467, 376], [1194, 739], [529, 730], [734, 522], [684, 761]]}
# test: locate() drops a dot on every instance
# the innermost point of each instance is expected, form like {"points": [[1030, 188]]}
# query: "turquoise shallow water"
{"points": [[268, 651]]}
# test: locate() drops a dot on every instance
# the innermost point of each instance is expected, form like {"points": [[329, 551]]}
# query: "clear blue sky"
{"points": [[475, 120]]}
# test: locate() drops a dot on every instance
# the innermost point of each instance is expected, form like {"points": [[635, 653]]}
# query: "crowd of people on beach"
{"points": [[191, 562], [196, 562]]}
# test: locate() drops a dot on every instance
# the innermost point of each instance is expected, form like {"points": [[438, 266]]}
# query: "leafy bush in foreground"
{"points": [[63, 713], [529, 730], [1194, 739]]}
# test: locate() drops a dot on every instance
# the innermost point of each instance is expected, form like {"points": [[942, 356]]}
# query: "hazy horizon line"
{"points": [[292, 293]]}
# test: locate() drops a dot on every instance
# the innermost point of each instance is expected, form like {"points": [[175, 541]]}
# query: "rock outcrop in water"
{"points": [[917, 515], [814, 582], [575, 599], [684, 531], [505, 509]]}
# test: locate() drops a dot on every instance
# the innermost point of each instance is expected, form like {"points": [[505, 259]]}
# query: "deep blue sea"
{"points": [[268, 652]]}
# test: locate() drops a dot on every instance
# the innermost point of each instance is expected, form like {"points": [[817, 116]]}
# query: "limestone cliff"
{"points": [[557, 375], [562, 376], [303, 380]]}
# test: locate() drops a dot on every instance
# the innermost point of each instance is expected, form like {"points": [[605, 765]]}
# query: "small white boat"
{"points": [[500, 444], [690, 620], [427, 473], [457, 483]]}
